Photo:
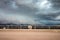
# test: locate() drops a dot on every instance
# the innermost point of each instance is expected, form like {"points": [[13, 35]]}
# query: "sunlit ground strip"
{"points": [[30, 30]]}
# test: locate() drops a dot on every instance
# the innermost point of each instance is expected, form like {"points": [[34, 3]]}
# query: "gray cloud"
{"points": [[30, 11]]}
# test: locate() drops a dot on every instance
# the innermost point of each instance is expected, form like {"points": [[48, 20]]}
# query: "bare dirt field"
{"points": [[29, 34]]}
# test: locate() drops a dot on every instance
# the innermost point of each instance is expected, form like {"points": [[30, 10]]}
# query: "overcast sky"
{"points": [[30, 11]]}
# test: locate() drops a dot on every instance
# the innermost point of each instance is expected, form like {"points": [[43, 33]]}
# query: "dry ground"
{"points": [[29, 34]]}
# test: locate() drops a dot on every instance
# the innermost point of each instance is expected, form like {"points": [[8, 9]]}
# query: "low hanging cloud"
{"points": [[45, 12]]}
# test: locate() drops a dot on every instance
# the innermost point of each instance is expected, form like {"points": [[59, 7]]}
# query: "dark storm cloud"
{"points": [[35, 11], [49, 15], [56, 3], [13, 12]]}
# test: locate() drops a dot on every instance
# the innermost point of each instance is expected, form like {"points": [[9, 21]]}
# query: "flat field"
{"points": [[29, 34]]}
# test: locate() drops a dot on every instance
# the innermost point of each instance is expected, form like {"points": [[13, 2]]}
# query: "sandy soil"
{"points": [[26, 35]]}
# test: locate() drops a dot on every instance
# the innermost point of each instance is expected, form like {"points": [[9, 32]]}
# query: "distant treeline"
{"points": [[26, 27]]}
